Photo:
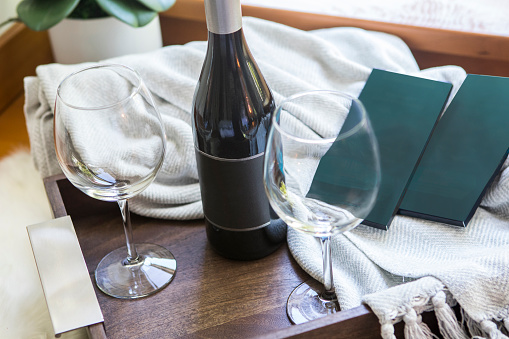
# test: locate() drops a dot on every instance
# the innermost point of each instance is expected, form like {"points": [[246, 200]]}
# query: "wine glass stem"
{"points": [[132, 255], [328, 281]]}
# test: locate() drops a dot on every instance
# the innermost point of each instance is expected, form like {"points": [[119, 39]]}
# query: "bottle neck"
{"points": [[223, 16]]}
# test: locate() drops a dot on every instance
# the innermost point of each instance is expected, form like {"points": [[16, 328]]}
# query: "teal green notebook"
{"points": [[344, 174], [403, 111], [464, 155]]}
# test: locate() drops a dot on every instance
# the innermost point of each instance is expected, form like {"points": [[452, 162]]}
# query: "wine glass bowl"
{"points": [[110, 143], [321, 174], [100, 134]]}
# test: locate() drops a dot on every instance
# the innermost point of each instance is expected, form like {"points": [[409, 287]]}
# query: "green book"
{"points": [[345, 174], [464, 155], [403, 111]]}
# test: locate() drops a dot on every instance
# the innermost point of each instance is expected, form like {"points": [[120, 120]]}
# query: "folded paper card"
{"points": [[465, 153]]}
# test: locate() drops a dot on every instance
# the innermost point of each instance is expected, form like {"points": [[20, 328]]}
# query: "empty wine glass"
{"points": [[321, 175], [110, 143]]}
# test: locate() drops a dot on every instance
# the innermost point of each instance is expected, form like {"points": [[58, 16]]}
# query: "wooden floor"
{"points": [[13, 132]]}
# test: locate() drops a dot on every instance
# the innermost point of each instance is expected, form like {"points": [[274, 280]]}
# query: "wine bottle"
{"points": [[232, 109]]}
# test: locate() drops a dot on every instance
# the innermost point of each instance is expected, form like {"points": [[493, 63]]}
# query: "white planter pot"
{"points": [[75, 41]]}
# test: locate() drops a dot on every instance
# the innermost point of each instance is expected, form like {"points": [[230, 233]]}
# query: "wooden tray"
{"points": [[210, 296]]}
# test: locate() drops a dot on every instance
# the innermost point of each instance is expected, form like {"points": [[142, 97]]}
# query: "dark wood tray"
{"points": [[210, 297]]}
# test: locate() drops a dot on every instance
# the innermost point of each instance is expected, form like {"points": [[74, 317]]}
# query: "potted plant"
{"points": [[91, 30]]}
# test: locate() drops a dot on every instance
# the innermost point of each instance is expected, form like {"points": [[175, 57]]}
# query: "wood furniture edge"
{"points": [[445, 41], [417, 38], [53, 193], [21, 51], [473, 51], [323, 326], [97, 331]]}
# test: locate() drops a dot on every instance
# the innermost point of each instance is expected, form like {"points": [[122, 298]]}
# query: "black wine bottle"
{"points": [[232, 111]]}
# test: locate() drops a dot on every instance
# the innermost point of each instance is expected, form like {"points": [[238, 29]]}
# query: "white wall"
{"points": [[7, 10]]}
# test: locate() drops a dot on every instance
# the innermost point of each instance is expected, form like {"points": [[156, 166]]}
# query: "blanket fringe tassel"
{"points": [[485, 329], [490, 328], [447, 321], [449, 326], [415, 328], [388, 331]]}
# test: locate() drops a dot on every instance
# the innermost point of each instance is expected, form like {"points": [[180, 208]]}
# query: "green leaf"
{"points": [[131, 12], [40, 15], [158, 5], [88, 9]]}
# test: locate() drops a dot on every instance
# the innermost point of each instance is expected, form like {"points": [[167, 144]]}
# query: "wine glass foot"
{"points": [[153, 271], [305, 303]]}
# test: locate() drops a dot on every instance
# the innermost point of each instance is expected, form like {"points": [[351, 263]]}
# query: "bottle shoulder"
{"points": [[232, 105]]}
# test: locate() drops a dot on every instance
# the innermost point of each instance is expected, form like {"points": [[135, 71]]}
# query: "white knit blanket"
{"points": [[413, 267]]}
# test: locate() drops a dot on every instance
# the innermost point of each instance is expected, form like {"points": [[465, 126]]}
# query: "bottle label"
{"points": [[232, 192], [223, 16]]}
